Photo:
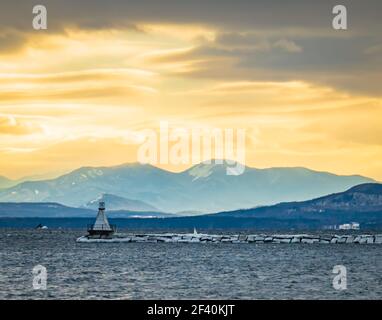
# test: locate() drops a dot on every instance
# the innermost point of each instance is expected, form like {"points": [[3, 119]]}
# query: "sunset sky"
{"points": [[78, 93]]}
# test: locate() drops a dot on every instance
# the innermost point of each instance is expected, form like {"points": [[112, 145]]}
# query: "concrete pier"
{"points": [[240, 238]]}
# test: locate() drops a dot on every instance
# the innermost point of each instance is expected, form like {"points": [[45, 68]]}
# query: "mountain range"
{"points": [[5, 182], [362, 199], [120, 203], [56, 210], [362, 204], [204, 188]]}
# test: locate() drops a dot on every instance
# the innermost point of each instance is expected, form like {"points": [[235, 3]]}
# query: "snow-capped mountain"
{"points": [[203, 188]]}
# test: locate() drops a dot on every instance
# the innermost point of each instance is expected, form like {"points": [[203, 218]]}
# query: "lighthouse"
{"points": [[101, 226]]}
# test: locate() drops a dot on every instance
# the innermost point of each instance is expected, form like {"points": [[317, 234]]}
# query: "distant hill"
{"points": [[203, 188], [358, 201], [119, 203], [56, 210], [53, 210], [6, 183]]}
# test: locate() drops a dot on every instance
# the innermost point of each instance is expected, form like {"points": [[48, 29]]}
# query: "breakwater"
{"points": [[240, 238]]}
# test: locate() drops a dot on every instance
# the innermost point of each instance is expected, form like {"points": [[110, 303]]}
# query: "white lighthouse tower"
{"points": [[101, 227]]}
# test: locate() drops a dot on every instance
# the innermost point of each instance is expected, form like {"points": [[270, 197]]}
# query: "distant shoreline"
{"points": [[185, 223]]}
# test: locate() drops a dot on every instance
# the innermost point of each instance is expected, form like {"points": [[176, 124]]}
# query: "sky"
{"points": [[81, 92]]}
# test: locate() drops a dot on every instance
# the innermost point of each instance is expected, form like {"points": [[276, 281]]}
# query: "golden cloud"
{"points": [[10, 125], [68, 95]]}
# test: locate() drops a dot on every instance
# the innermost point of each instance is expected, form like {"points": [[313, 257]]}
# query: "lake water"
{"points": [[182, 271]]}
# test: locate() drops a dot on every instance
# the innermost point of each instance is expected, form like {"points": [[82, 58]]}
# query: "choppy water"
{"points": [[182, 271]]}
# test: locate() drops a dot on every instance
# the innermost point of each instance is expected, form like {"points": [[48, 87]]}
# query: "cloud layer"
{"points": [[306, 94]]}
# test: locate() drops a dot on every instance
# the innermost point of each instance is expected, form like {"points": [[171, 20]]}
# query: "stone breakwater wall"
{"points": [[205, 238]]}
